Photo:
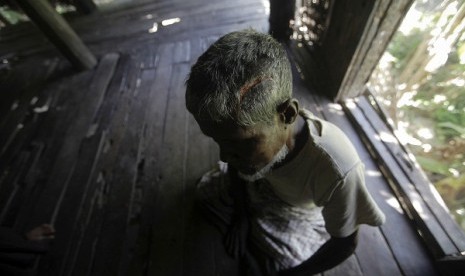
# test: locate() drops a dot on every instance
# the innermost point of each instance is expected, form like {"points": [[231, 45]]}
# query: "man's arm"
{"points": [[330, 254]]}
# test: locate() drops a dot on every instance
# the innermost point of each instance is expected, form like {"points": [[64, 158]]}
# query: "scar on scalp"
{"points": [[248, 86]]}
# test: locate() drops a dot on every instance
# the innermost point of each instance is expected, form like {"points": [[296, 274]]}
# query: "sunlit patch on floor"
{"points": [[163, 23]]}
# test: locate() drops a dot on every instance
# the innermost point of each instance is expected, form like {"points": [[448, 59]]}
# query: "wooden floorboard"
{"points": [[50, 131], [66, 158], [79, 185], [349, 267], [23, 96], [111, 248], [111, 155], [169, 208]]}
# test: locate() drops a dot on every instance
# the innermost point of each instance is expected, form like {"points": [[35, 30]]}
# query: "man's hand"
{"points": [[330, 254]]}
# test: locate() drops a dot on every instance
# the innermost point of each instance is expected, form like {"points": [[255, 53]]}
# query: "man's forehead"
{"points": [[228, 129], [219, 126]]}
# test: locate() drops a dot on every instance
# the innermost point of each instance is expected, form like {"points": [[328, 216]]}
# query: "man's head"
{"points": [[240, 93]]}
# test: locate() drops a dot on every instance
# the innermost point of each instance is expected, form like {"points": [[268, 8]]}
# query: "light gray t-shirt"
{"points": [[327, 172]]}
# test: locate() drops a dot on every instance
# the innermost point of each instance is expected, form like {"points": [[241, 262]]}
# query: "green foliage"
{"points": [[448, 120], [452, 191], [432, 165], [439, 105], [456, 129], [448, 116], [403, 46]]}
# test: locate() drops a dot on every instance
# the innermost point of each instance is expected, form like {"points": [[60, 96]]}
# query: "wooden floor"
{"points": [[110, 156]]}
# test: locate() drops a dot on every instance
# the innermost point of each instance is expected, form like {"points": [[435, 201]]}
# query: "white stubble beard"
{"points": [[279, 156]]}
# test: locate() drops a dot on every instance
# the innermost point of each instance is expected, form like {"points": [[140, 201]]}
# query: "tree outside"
{"points": [[420, 80]]}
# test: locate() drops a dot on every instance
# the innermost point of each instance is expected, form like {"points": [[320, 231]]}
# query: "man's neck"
{"points": [[298, 135]]}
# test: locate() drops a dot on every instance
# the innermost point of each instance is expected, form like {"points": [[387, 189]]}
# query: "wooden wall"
{"points": [[355, 38], [347, 23]]}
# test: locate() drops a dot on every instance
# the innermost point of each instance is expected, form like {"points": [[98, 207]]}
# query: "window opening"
{"points": [[420, 82]]}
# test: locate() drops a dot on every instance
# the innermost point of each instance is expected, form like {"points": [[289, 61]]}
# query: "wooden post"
{"points": [[85, 6], [281, 13], [378, 29], [58, 32]]}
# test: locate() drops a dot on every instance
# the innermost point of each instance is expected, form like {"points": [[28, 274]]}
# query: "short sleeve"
{"points": [[350, 205]]}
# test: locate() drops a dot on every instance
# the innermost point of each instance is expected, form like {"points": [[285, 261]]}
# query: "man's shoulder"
{"points": [[332, 145]]}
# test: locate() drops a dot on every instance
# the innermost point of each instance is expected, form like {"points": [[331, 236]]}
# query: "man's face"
{"points": [[248, 149]]}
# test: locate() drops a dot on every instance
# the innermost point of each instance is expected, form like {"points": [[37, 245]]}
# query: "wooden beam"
{"points": [[281, 13], [58, 32], [348, 20], [383, 22]]}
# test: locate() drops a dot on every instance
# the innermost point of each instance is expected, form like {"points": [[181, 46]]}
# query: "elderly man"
{"points": [[291, 194]]}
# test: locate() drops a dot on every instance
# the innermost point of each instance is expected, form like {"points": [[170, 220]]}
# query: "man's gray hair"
{"points": [[244, 76]]}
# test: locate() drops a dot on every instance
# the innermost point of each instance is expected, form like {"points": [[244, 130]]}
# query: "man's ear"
{"points": [[288, 111]]}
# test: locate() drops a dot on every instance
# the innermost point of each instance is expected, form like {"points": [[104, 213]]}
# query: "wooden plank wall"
{"points": [[346, 27], [380, 27], [357, 35]]}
